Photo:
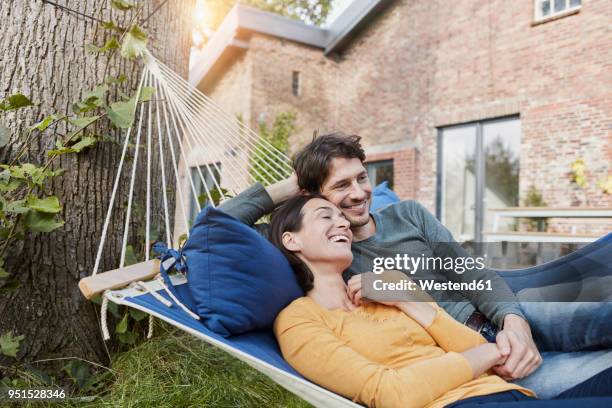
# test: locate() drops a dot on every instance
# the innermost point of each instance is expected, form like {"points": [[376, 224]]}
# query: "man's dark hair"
{"points": [[288, 217], [311, 164]]}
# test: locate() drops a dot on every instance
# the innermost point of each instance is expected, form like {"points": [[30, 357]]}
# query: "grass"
{"points": [[178, 370]]}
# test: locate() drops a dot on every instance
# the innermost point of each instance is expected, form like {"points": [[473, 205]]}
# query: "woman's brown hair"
{"points": [[288, 218]]}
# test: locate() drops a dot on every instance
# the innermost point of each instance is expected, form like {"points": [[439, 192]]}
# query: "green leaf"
{"points": [[111, 44], [15, 102], [5, 135], [122, 113], [9, 344], [41, 222], [8, 186], [49, 205], [79, 372], [16, 207], [134, 43], [146, 92], [114, 81], [60, 151], [110, 25], [96, 94], [83, 121], [137, 315], [123, 325], [83, 143], [46, 122], [127, 338], [122, 5]]}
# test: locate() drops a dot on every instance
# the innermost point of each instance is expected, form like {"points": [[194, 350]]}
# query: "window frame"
{"points": [[479, 204], [569, 10], [374, 164], [296, 83]]}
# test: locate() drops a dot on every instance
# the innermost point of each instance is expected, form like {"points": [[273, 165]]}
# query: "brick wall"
{"points": [[419, 66], [405, 170]]}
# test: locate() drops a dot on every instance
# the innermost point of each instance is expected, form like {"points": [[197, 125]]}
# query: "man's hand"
{"points": [[516, 345], [283, 190], [354, 290]]}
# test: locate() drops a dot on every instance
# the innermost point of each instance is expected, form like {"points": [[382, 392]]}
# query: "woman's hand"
{"points": [[421, 311], [353, 289], [483, 357]]}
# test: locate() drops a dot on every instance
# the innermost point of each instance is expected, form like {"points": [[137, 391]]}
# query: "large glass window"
{"points": [[379, 171], [478, 169]]}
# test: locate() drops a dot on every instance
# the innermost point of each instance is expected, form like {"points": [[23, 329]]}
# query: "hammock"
{"points": [[178, 122], [178, 125]]}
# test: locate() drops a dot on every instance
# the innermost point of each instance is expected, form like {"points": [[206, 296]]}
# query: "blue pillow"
{"points": [[382, 196], [238, 279]]}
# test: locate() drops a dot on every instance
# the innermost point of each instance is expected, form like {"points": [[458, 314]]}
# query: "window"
{"points": [[545, 9], [380, 171], [478, 169], [296, 88], [211, 184]]}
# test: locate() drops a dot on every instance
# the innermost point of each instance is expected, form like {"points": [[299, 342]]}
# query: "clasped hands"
{"points": [[518, 354]]}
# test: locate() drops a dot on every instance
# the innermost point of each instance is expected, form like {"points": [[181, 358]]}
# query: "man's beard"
{"points": [[359, 223]]}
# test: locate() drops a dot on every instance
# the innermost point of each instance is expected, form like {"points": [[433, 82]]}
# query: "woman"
{"points": [[397, 354]]}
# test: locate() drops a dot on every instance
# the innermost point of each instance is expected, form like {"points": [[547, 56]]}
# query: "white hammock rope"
{"points": [[190, 130], [109, 212], [126, 228], [184, 158], [175, 300], [181, 119], [175, 167], [243, 171], [190, 146], [103, 313], [207, 138], [220, 118], [163, 178], [207, 128]]}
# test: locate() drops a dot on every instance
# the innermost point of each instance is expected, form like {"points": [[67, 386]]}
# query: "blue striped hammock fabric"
{"points": [[261, 351]]}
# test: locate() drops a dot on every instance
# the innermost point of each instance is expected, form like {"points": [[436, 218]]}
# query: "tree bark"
{"points": [[42, 55]]}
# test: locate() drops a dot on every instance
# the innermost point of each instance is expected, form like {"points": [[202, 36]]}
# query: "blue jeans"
{"points": [[574, 338], [599, 386]]}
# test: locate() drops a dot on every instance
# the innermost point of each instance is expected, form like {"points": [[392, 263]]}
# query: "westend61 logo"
{"points": [[411, 264]]}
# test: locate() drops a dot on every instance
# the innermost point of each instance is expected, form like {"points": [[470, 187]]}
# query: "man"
{"points": [[332, 165]]}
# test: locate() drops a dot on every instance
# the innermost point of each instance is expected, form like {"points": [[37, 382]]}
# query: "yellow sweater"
{"points": [[379, 356]]}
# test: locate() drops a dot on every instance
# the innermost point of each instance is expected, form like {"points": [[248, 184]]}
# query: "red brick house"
{"points": [[462, 105]]}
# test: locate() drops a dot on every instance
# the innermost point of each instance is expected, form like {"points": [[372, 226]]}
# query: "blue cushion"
{"points": [[238, 280], [382, 196]]}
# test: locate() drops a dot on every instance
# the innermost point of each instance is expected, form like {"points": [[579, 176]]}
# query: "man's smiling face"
{"points": [[348, 187]]}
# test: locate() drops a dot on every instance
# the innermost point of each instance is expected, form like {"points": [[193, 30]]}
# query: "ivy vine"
{"points": [[26, 205]]}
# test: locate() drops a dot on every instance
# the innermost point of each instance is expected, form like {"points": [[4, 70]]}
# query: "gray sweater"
{"points": [[404, 228]]}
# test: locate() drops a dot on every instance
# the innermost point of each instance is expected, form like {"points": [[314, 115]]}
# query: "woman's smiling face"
{"points": [[325, 235]]}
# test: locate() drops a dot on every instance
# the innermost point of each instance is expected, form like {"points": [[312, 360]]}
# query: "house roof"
{"points": [[230, 36]]}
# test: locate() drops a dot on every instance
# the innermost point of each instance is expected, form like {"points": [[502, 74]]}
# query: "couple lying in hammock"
{"points": [[409, 353]]}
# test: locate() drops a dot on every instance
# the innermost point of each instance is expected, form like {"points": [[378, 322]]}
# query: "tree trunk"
{"points": [[42, 55]]}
